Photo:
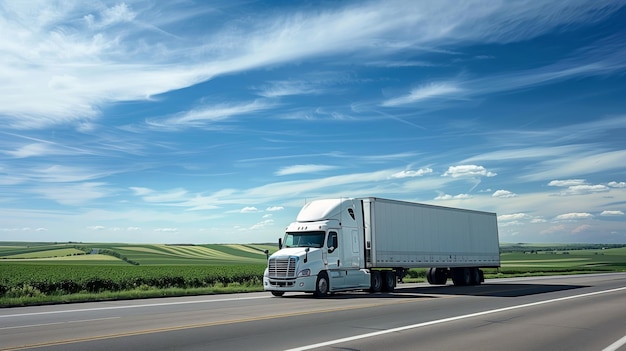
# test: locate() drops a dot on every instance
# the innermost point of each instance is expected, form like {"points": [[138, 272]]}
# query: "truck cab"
{"points": [[321, 252]]}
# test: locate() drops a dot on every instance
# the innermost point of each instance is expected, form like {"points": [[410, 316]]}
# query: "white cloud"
{"points": [[468, 171], [612, 213], [411, 173], [617, 184], [513, 217], [96, 227], [455, 197], [166, 230], [274, 208], [299, 169], [568, 182], [573, 216], [117, 14], [249, 209], [503, 194]]}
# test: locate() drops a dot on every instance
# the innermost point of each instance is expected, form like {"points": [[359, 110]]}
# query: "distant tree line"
{"points": [[556, 247]]}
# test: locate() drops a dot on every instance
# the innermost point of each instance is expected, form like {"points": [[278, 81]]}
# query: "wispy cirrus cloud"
{"points": [[429, 91], [577, 165], [207, 115], [73, 194], [595, 60], [124, 52], [300, 169]]}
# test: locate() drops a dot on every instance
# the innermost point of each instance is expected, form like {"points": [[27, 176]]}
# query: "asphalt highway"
{"points": [[582, 312]]}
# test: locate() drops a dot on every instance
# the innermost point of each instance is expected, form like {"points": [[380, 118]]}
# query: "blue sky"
{"points": [[215, 121]]}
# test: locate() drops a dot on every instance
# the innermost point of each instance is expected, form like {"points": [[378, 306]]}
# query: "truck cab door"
{"points": [[333, 252], [333, 249]]}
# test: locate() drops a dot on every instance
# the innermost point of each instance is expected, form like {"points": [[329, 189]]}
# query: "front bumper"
{"points": [[300, 284]]}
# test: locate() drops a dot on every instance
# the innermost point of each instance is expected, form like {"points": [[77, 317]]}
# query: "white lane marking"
{"points": [[57, 323], [451, 319], [132, 306], [616, 345], [31, 326]]}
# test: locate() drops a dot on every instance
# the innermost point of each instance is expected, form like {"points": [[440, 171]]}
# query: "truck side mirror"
{"points": [[331, 249], [280, 243]]}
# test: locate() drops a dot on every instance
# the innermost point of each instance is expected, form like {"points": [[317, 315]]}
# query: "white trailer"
{"points": [[369, 243]]}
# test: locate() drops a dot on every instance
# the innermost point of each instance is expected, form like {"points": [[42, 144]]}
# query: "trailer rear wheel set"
{"points": [[461, 276]]}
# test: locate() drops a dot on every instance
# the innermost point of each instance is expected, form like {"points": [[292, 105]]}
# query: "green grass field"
{"points": [[140, 254], [36, 273]]}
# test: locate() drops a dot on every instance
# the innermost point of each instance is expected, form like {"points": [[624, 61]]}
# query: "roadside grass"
{"points": [[142, 292]]}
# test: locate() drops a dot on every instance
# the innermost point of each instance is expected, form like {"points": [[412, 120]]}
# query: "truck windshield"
{"points": [[305, 239]]}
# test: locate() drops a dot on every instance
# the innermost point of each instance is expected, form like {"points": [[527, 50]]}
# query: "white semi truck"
{"points": [[369, 243]]}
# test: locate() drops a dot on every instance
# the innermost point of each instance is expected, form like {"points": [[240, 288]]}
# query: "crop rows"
{"points": [[18, 280]]}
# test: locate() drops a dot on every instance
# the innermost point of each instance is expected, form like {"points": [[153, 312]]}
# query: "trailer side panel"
{"points": [[412, 235]]}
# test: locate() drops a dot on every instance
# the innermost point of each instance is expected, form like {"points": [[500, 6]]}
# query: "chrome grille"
{"points": [[282, 267]]}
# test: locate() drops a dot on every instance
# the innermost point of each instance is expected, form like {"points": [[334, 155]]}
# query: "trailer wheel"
{"points": [[461, 276], [389, 281], [376, 282], [430, 276], [278, 293], [322, 285], [476, 277], [440, 276]]}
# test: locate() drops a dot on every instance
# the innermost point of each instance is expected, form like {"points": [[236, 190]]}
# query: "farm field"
{"points": [[137, 254], [35, 273]]}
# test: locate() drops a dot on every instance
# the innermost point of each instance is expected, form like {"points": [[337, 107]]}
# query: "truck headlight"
{"points": [[304, 273]]}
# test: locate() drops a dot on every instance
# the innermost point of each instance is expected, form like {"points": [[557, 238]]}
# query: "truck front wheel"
{"points": [[321, 286]]}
